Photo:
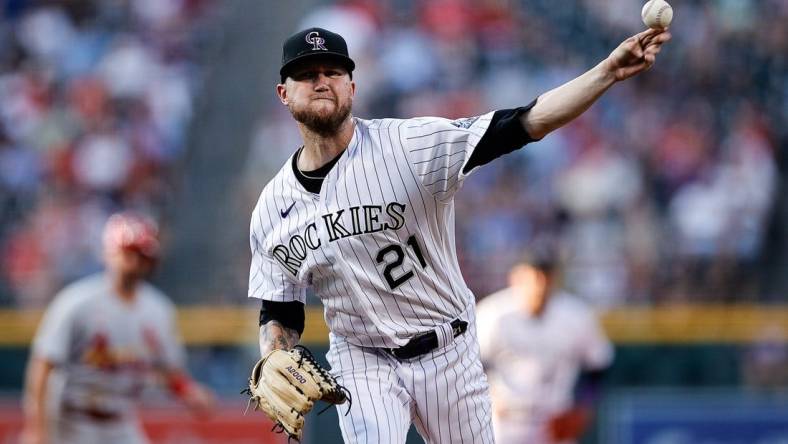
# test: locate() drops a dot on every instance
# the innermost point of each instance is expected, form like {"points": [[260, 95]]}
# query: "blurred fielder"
{"points": [[98, 343], [363, 214], [540, 346]]}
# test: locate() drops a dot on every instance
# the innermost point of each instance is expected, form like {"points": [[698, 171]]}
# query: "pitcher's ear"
{"points": [[281, 92]]}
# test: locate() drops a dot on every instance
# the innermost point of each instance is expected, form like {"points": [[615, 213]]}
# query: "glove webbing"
{"points": [[337, 395]]}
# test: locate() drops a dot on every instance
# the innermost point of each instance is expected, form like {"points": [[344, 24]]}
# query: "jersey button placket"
{"points": [[324, 200]]}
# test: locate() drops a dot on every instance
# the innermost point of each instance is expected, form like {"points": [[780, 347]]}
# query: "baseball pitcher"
{"points": [[363, 214]]}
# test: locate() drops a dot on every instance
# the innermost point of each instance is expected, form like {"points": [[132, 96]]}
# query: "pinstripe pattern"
{"points": [[377, 246], [444, 393], [413, 163], [439, 150]]}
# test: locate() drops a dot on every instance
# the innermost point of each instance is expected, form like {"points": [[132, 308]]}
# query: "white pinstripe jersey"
{"points": [[377, 243]]}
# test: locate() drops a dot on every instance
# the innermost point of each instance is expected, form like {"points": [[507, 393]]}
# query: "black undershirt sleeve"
{"points": [[504, 135], [290, 314]]}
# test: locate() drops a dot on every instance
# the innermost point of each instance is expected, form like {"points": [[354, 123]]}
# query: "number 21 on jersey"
{"points": [[393, 256]]}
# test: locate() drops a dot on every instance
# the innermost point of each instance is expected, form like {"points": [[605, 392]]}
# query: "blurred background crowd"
{"points": [[95, 102], [666, 190]]}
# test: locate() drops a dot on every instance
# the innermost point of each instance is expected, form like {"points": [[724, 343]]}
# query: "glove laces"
{"points": [[338, 394]]}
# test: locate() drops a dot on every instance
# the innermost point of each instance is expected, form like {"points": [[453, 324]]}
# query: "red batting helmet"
{"points": [[132, 231]]}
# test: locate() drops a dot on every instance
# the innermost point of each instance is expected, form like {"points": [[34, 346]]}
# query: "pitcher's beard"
{"points": [[322, 124]]}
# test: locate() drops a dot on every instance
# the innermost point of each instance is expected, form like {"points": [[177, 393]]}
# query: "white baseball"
{"points": [[657, 14]]}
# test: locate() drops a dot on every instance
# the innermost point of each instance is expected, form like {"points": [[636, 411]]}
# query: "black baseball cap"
{"points": [[314, 42]]}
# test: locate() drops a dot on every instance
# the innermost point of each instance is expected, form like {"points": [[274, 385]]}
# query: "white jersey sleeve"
{"points": [[487, 332], [267, 280], [56, 330], [488, 325], [595, 348], [439, 150]]}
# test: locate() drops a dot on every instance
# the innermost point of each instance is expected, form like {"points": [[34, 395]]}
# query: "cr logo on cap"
{"points": [[316, 41]]}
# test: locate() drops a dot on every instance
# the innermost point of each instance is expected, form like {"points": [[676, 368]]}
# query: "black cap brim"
{"points": [[342, 59]]}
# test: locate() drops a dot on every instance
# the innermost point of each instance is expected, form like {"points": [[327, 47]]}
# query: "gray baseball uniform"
{"points": [[104, 350]]}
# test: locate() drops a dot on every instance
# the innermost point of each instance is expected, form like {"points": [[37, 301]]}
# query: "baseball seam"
{"points": [[659, 14]]}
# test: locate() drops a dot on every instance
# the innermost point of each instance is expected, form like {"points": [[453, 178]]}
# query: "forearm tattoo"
{"points": [[274, 335]]}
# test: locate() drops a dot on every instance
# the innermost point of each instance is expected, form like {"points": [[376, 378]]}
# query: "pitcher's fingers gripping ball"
{"points": [[286, 384]]}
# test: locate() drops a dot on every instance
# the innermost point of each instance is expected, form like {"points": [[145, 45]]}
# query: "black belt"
{"points": [[425, 343]]}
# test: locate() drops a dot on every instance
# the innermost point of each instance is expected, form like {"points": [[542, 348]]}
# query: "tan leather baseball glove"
{"points": [[286, 384]]}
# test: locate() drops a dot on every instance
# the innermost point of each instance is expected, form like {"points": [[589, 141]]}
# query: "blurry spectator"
{"points": [[94, 100]]}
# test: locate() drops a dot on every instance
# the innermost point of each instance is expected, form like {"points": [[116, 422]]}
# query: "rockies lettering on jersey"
{"points": [[377, 243], [292, 254]]}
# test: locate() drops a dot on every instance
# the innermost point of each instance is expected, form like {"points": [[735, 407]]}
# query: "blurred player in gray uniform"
{"points": [[544, 353], [363, 214], [100, 342]]}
